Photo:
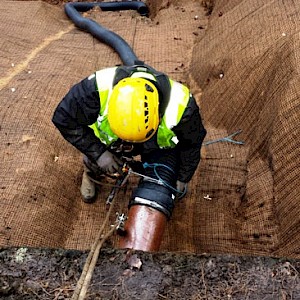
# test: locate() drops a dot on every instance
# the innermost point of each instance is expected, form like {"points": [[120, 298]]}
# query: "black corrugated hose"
{"points": [[73, 10]]}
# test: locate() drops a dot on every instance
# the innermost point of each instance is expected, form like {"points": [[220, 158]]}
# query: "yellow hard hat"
{"points": [[133, 109]]}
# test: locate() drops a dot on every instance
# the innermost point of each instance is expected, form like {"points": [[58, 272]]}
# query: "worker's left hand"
{"points": [[181, 188]]}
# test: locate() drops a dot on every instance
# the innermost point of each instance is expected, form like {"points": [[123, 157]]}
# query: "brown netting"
{"points": [[242, 66], [249, 75]]}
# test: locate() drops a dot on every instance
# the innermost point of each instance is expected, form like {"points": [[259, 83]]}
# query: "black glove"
{"points": [[109, 163], [181, 188]]}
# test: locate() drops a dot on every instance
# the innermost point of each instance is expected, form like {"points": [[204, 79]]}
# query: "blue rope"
{"points": [[227, 139], [154, 166]]}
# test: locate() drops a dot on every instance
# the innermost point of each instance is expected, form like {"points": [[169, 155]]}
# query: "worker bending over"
{"points": [[128, 111]]}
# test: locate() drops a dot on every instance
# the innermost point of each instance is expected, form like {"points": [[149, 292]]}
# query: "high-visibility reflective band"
{"points": [[178, 100], [104, 79], [179, 96], [175, 140]]}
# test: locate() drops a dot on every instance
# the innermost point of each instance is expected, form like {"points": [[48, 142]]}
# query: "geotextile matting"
{"points": [[241, 60]]}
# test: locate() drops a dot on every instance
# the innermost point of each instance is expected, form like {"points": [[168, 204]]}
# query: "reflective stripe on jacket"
{"points": [[166, 138]]}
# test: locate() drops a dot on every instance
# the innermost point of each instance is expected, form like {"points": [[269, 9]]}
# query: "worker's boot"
{"points": [[88, 188]]}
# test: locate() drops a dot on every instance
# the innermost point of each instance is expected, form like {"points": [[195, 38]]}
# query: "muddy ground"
{"points": [[52, 274], [27, 273]]}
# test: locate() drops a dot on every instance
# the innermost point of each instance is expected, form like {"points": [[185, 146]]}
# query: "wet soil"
{"points": [[119, 274]]}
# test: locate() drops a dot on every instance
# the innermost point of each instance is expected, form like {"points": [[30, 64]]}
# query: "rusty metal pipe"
{"points": [[144, 229]]}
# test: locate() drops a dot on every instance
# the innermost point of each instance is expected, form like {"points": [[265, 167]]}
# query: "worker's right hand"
{"points": [[109, 163]]}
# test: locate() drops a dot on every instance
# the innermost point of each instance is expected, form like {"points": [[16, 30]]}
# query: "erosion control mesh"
{"points": [[242, 64]]}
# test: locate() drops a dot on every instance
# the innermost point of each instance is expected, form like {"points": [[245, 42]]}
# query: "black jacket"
{"points": [[81, 106]]}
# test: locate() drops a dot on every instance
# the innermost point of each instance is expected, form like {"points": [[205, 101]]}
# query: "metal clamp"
{"points": [[147, 178], [120, 222]]}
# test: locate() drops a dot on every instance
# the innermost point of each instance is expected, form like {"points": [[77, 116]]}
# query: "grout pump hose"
{"points": [[74, 9]]}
